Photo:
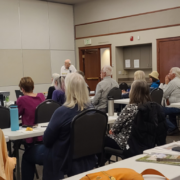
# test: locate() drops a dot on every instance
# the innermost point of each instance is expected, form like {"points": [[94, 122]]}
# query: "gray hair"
{"points": [[176, 71], [60, 83], [54, 76], [108, 70]]}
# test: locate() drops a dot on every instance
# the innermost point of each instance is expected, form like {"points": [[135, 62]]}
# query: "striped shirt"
{"points": [[172, 90]]}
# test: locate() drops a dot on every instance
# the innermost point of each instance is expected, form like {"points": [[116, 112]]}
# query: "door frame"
{"points": [[93, 47], [158, 48]]}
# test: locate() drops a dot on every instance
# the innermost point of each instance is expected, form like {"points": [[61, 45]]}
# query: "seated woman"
{"points": [[121, 129], [59, 94], [52, 88], [154, 78], [27, 104], [56, 138], [138, 75]]}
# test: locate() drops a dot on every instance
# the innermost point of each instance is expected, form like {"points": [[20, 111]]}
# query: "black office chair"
{"points": [[4, 117], [1, 100], [45, 111], [156, 95], [115, 93], [141, 136], [18, 93], [123, 86], [87, 135], [5, 123]]}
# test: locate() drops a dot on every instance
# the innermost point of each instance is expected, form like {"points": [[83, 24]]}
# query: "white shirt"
{"points": [[65, 71]]}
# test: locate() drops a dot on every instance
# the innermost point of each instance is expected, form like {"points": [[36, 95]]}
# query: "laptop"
{"points": [[18, 93]]}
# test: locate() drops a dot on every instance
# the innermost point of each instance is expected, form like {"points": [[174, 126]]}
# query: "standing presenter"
{"points": [[67, 68]]}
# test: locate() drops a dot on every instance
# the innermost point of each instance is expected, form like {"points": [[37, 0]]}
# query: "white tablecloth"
{"points": [[6, 138], [166, 149], [171, 172], [176, 105]]}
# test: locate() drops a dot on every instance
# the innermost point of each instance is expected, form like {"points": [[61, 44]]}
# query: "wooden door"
{"points": [[168, 55], [91, 67], [90, 63]]}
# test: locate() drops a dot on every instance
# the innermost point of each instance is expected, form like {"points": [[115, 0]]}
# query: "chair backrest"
{"points": [[123, 86], [18, 93], [88, 133], [4, 118], [115, 93], [45, 111], [156, 95], [148, 129], [1, 100]]}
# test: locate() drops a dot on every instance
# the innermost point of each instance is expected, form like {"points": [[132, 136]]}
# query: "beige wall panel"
{"points": [[58, 58], [157, 19], [93, 29], [61, 26], [34, 24], [146, 37], [9, 25], [104, 9], [37, 65], [11, 67]]}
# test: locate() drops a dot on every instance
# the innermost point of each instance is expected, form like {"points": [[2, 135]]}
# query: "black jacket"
{"points": [[50, 92], [148, 129]]}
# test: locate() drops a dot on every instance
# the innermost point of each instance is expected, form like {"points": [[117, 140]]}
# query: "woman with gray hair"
{"points": [[59, 93], [171, 90], [52, 88]]}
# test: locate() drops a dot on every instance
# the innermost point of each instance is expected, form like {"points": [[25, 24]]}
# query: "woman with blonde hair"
{"points": [[56, 138], [52, 87], [139, 75]]}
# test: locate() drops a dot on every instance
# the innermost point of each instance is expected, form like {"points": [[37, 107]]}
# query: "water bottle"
{"points": [[110, 106], [14, 116]]}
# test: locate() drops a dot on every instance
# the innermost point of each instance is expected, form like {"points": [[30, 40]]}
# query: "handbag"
{"points": [[121, 174]]}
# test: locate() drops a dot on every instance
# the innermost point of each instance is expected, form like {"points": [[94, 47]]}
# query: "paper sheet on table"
{"points": [[136, 63], [127, 63]]}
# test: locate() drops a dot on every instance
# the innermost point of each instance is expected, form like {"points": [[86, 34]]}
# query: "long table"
{"points": [[165, 149], [175, 105], [171, 172], [39, 131]]}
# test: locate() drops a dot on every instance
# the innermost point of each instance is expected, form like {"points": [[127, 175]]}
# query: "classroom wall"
{"points": [[35, 39], [96, 10]]}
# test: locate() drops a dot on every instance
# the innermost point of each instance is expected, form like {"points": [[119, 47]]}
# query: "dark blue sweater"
{"points": [[56, 139]]}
